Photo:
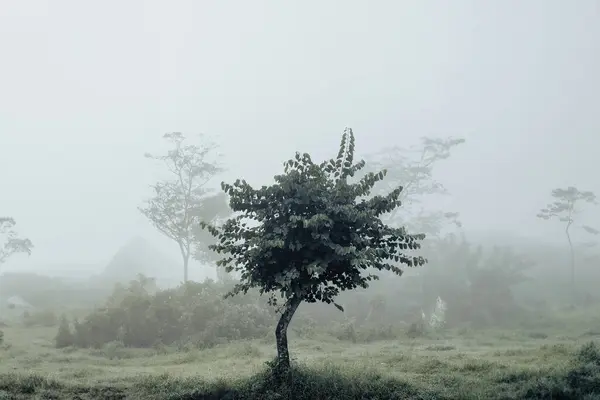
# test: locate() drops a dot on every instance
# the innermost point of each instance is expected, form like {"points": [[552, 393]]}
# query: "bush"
{"points": [[192, 313], [416, 329], [64, 336]]}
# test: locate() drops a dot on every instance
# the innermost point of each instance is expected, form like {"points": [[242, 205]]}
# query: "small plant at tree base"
{"points": [[564, 208], [174, 208], [313, 235]]}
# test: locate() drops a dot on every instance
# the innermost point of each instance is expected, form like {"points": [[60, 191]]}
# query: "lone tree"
{"points": [[564, 208], [12, 244], [173, 209], [311, 235]]}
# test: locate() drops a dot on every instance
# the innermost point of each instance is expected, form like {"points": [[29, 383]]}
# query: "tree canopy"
{"points": [[177, 202], [312, 234]]}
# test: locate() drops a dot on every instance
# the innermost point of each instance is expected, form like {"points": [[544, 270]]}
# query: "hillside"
{"points": [[138, 256]]}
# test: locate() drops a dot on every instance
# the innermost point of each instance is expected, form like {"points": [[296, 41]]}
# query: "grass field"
{"points": [[557, 363]]}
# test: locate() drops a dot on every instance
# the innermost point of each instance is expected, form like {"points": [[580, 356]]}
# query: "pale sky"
{"points": [[86, 88]]}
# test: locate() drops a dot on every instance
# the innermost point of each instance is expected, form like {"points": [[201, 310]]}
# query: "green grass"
{"points": [[494, 364]]}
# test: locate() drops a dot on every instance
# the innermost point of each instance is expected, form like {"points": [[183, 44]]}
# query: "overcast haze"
{"points": [[86, 88]]}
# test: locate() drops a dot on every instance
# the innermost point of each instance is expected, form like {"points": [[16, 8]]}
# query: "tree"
{"points": [[12, 243], [413, 169], [173, 208], [565, 209], [311, 235]]}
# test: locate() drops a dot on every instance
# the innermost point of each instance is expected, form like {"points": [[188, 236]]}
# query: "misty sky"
{"points": [[86, 88]]}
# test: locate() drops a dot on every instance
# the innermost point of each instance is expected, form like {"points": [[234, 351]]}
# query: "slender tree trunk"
{"points": [[186, 260], [572, 252], [283, 355], [185, 268], [368, 318]]}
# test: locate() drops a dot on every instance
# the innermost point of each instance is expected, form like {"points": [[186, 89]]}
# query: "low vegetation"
{"points": [[190, 343], [557, 363], [193, 313]]}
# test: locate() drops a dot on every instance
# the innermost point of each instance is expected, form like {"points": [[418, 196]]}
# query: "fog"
{"points": [[86, 88]]}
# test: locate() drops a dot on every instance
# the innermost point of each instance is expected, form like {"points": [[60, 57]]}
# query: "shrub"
{"points": [[416, 329], [192, 313], [64, 336], [114, 350]]}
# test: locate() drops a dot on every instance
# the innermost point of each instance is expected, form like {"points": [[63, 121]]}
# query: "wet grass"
{"points": [[463, 364]]}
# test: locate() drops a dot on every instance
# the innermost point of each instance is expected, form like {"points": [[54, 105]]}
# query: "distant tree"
{"points": [[311, 235], [413, 170], [173, 209], [565, 209], [12, 244], [213, 210]]}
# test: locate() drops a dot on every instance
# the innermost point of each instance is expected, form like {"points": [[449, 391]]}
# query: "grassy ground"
{"points": [[494, 364]]}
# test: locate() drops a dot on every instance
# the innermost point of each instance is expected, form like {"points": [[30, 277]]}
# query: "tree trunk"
{"points": [[185, 254], [283, 355], [185, 268], [186, 259], [572, 253]]}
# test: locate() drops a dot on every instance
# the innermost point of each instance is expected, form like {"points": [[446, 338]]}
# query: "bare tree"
{"points": [[412, 169], [172, 209], [564, 208]]}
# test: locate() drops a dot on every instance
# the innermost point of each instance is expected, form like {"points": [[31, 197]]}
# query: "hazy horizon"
{"points": [[87, 88]]}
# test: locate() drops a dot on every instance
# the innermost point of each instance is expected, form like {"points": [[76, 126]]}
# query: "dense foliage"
{"points": [[312, 234]]}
